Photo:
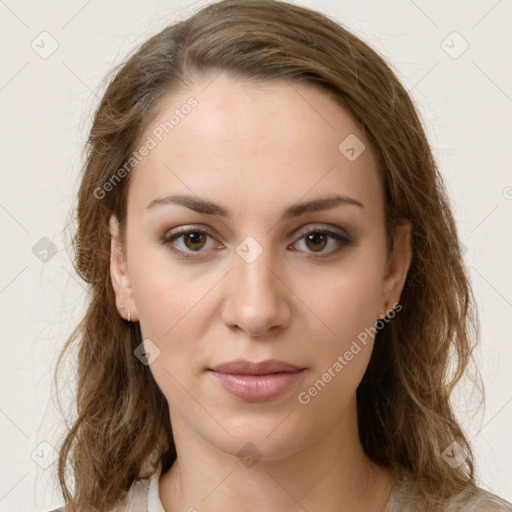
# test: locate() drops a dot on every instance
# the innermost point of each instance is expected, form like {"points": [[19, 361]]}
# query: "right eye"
{"points": [[192, 240]]}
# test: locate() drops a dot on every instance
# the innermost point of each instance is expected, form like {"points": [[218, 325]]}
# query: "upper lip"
{"points": [[244, 367]]}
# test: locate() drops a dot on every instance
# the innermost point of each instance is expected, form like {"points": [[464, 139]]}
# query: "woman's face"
{"points": [[285, 258]]}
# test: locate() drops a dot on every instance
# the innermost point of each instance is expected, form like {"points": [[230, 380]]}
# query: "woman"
{"points": [[276, 282]]}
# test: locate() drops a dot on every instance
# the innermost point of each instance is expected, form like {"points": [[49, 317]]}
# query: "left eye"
{"points": [[317, 240], [195, 241]]}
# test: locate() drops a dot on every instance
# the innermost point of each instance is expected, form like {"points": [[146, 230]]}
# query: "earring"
{"points": [[128, 314]]}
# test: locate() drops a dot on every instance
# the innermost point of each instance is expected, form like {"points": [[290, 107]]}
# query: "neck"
{"points": [[332, 473]]}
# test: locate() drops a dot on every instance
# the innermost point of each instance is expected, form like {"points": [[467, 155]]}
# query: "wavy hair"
{"points": [[404, 411]]}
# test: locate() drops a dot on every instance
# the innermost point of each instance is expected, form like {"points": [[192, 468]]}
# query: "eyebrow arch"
{"points": [[295, 210]]}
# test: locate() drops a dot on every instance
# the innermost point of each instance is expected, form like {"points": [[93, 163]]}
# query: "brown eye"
{"points": [[316, 241], [189, 243], [194, 240]]}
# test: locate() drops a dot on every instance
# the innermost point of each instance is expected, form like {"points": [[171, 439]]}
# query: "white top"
{"points": [[154, 503], [144, 496], [404, 498]]}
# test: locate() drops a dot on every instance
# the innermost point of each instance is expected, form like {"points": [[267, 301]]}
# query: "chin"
{"points": [[265, 439]]}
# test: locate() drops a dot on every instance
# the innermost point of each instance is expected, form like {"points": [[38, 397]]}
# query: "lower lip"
{"points": [[257, 388]]}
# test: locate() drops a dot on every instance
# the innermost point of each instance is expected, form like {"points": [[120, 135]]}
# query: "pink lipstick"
{"points": [[257, 382]]}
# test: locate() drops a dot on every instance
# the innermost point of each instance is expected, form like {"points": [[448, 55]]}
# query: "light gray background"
{"points": [[47, 103]]}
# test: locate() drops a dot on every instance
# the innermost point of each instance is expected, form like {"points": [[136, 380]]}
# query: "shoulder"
{"points": [[406, 497], [484, 501], [136, 499]]}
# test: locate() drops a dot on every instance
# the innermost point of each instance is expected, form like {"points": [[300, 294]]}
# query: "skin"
{"points": [[256, 149]]}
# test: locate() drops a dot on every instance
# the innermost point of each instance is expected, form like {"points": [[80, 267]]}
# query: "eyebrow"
{"points": [[295, 210]]}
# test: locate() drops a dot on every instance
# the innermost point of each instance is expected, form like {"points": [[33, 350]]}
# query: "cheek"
{"points": [[169, 308], [173, 304], [346, 303], [345, 300], [165, 294], [347, 310]]}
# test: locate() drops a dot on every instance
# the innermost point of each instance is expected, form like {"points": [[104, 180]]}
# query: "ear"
{"points": [[119, 275], [397, 267]]}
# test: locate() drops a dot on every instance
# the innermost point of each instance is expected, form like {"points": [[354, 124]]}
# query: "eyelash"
{"points": [[168, 239]]}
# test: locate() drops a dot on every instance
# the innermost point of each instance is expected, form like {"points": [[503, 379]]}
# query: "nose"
{"points": [[257, 299]]}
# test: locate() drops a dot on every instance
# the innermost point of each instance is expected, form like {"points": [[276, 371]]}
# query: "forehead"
{"points": [[251, 144]]}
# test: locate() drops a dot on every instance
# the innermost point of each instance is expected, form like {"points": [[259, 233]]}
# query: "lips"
{"points": [[257, 382], [243, 367]]}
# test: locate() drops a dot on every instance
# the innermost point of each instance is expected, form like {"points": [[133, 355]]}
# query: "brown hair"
{"points": [[405, 417]]}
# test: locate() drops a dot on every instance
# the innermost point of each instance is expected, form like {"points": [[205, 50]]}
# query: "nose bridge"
{"points": [[256, 301], [253, 266]]}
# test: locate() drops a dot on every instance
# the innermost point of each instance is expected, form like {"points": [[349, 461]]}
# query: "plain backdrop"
{"points": [[453, 57]]}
